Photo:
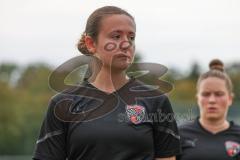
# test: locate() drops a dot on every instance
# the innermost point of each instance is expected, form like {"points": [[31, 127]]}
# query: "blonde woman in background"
{"points": [[211, 136]]}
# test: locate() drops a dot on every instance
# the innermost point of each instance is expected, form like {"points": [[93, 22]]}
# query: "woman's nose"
{"points": [[125, 45], [212, 98]]}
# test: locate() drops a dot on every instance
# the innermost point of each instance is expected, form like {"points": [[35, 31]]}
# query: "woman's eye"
{"points": [[132, 38], [219, 94], [205, 94], [116, 37]]}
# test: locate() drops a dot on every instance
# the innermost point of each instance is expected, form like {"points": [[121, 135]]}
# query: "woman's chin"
{"points": [[213, 117], [120, 66]]}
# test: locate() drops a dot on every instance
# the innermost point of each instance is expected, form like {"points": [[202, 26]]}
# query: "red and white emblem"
{"points": [[135, 113], [233, 148]]}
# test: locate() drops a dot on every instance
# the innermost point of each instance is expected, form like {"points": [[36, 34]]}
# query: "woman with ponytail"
{"points": [[211, 135], [104, 118]]}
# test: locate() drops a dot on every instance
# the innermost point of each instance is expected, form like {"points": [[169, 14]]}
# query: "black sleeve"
{"points": [[166, 136], [51, 142]]}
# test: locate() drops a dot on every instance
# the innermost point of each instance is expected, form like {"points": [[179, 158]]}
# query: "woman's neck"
{"points": [[214, 126], [110, 82]]}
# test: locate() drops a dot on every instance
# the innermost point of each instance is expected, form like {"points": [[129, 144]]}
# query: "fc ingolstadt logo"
{"points": [[233, 148], [135, 113]]}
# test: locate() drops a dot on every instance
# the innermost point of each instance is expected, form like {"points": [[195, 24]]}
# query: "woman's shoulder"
{"points": [[148, 91], [235, 127], [71, 92], [189, 125]]}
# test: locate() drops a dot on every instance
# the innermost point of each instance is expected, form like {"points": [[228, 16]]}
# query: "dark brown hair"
{"points": [[94, 23], [216, 67]]}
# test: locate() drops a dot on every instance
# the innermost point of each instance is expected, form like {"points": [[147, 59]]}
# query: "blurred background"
{"points": [[38, 36]]}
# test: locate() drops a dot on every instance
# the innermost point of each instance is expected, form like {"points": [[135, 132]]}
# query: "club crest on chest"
{"points": [[233, 148], [135, 113]]}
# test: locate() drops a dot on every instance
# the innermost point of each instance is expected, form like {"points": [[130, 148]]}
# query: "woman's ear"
{"points": [[196, 96], [90, 44], [231, 97]]}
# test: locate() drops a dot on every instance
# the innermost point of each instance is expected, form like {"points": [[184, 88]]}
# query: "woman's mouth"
{"points": [[123, 57], [212, 109]]}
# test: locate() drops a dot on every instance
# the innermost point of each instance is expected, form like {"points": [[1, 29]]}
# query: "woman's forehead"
{"points": [[118, 22], [213, 83]]}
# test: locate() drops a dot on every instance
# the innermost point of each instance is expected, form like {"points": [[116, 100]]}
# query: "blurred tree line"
{"points": [[25, 93]]}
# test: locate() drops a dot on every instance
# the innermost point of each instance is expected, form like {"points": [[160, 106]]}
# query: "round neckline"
{"points": [[210, 133], [114, 92]]}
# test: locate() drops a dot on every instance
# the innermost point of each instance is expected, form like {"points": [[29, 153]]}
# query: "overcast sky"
{"points": [[171, 32]]}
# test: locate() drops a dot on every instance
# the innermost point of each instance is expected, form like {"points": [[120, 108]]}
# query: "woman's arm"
{"points": [[165, 132], [51, 142]]}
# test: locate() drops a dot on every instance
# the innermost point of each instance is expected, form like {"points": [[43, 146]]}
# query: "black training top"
{"points": [[87, 124], [200, 144]]}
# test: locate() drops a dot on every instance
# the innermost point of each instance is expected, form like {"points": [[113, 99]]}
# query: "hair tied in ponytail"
{"points": [[216, 64], [82, 45]]}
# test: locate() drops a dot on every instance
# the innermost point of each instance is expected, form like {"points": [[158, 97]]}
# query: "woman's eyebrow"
{"points": [[121, 31]]}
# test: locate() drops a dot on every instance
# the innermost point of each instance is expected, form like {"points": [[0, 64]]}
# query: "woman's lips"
{"points": [[212, 109], [123, 56]]}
